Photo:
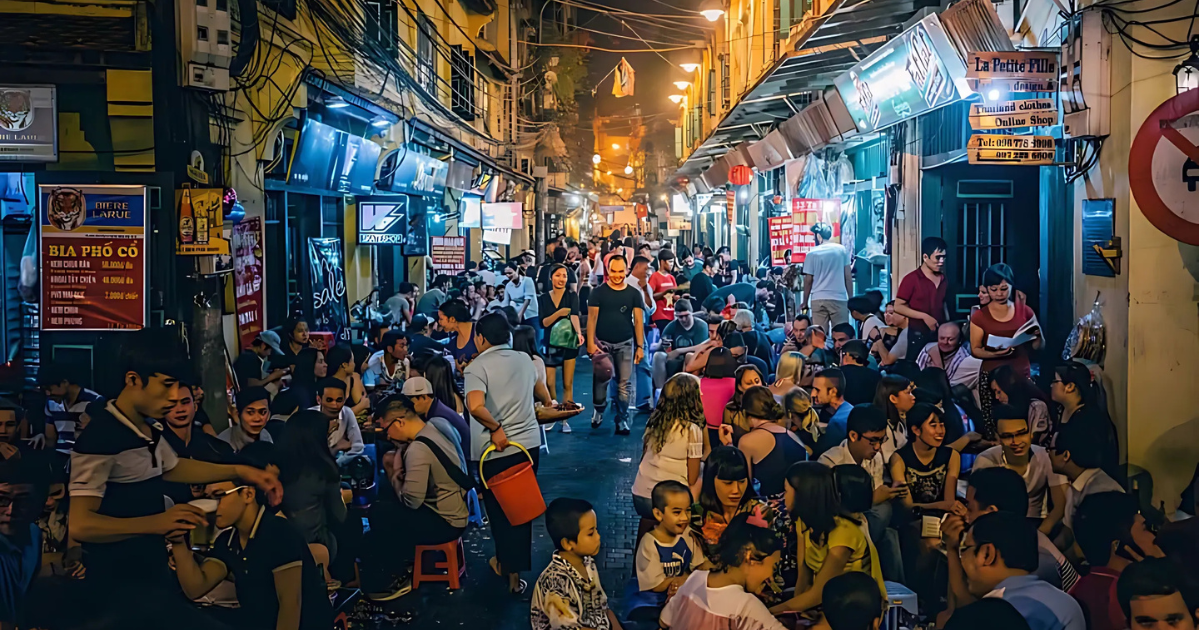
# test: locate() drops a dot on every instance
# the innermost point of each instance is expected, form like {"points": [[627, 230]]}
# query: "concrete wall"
{"points": [[1151, 308]]}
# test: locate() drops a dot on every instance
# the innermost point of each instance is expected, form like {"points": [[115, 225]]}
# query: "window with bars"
{"points": [[725, 88], [426, 71], [462, 83], [381, 22]]}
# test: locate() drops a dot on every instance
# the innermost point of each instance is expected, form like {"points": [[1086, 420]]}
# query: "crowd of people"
{"points": [[806, 451]]}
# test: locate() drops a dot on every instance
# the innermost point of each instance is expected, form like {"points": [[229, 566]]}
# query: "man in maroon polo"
{"points": [[922, 294]]}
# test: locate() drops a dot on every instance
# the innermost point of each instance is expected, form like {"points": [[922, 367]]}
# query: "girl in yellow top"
{"points": [[830, 539]]}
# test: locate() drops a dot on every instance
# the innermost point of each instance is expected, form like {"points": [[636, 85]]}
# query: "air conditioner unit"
{"points": [[1085, 76]]}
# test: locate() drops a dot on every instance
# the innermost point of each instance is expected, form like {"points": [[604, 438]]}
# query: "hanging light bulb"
{"points": [[596, 159], [682, 85], [689, 67], [712, 10], [616, 147], [676, 98], [628, 170]]}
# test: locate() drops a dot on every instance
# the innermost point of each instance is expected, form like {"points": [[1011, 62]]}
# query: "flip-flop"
{"points": [[521, 586]]}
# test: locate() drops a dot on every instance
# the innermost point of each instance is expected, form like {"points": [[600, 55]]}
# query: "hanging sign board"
{"points": [[1013, 64], [1024, 150], [730, 205], [1163, 167], [201, 227], [784, 238], [248, 279], [1034, 112], [28, 123], [383, 221], [93, 257], [327, 277], [449, 253], [808, 212], [679, 223]]}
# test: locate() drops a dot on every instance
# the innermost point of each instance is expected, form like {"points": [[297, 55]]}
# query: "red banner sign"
{"points": [[93, 257], [449, 253], [248, 279], [808, 212]]}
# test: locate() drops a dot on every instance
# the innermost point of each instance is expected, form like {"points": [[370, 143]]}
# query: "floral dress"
{"points": [[562, 598]]}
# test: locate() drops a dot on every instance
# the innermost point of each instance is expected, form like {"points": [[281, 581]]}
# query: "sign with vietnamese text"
{"points": [[1024, 150], [328, 281], [912, 74], [784, 238], [93, 257], [808, 212], [383, 221], [201, 222], [28, 123], [449, 254], [1034, 112], [1164, 167], [248, 279]]}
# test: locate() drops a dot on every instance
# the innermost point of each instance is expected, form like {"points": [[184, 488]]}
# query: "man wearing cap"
{"points": [[251, 365], [420, 391], [827, 279], [419, 341], [253, 406]]}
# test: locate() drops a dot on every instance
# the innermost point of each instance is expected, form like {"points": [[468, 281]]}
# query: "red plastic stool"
{"points": [[455, 564]]}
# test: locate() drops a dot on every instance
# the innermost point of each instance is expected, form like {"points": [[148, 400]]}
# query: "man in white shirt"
{"points": [[520, 294], [1017, 452], [952, 356], [827, 279], [639, 278], [345, 439], [1077, 454]]}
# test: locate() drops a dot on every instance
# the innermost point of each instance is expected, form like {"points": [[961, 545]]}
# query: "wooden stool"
{"points": [[455, 564]]}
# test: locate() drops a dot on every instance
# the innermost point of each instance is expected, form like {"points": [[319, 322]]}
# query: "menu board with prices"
{"points": [[449, 253], [93, 257], [248, 279], [783, 240]]}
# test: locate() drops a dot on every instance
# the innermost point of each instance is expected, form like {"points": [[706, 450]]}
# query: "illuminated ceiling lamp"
{"points": [[1186, 73], [676, 98], [712, 10], [336, 102], [596, 159], [628, 169], [616, 147], [688, 59], [682, 85], [689, 67]]}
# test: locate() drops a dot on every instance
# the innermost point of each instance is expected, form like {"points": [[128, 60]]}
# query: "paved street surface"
{"points": [[592, 465]]}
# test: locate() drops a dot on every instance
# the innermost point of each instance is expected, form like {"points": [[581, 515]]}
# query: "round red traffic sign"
{"points": [[1164, 168]]}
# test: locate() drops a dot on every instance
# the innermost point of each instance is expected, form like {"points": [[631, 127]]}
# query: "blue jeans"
{"points": [[622, 358]]}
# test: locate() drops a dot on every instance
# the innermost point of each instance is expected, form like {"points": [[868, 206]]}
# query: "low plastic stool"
{"points": [[455, 564]]}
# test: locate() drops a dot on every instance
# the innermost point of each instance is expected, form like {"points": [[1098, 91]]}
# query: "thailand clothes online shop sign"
{"points": [[93, 257]]}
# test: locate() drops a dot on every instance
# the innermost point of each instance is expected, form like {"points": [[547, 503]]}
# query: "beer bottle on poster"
{"points": [[187, 219], [202, 224]]}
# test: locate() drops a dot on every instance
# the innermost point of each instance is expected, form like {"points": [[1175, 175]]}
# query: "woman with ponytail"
{"points": [[1078, 396]]}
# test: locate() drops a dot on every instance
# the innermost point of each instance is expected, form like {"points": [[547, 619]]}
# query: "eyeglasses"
{"points": [[963, 548], [221, 494], [875, 441], [20, 500], [1012, 436]]}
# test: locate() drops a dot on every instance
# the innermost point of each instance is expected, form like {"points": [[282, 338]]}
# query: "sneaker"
{"points": [[597, 419], [566, 427], [622, 428], [399, 588]]}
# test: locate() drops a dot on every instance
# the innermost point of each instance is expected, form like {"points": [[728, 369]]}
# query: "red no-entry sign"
{"points": [[1164, 168]]}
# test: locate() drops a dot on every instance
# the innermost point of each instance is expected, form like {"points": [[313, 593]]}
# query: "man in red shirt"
{"points": [[1112, 535], [662, 283], [922, 295]]}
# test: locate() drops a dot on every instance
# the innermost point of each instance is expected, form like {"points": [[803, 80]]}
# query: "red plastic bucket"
{"points": [[516, 489]]}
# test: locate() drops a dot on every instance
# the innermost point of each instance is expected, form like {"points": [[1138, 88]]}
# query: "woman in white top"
{"points": [[864, 313], [520, 294], [673, 444]]}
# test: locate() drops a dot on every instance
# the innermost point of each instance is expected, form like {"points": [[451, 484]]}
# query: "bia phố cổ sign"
{"points": [[1025, 150], [1034, 112]]}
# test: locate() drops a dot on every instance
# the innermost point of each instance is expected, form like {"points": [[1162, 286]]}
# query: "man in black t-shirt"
{"points": [[615, 327], [860, 379], [250, 366], [702, 283], [118, 470], [278, 583]]}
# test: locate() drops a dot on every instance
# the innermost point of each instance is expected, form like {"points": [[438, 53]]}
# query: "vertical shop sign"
{"points": [[808, 212], [449, 254], [93, 257], [201, 227], [783, 240], [248, 279], [328, 281], [730, 206]]}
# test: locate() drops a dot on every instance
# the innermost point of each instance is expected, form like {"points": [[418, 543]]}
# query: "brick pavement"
{"points": [[584, 464]]}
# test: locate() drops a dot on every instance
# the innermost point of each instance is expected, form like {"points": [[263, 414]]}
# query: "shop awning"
{"points": [[470, 152], [825, 47]]}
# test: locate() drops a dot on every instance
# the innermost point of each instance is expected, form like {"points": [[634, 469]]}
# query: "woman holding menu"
{"points": [[1001, 317]]}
